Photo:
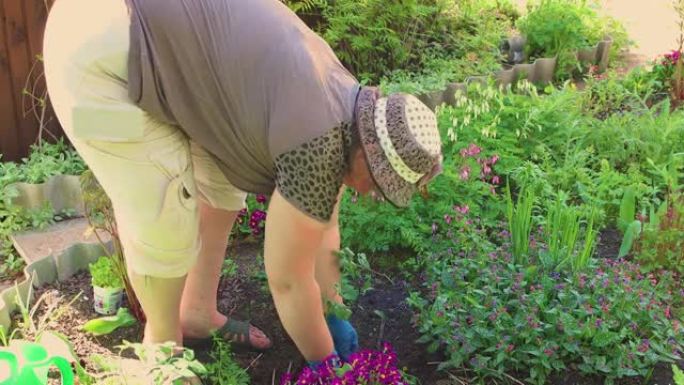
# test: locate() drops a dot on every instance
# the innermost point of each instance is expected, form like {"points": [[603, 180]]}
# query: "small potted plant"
{"points": [[107, 286]]}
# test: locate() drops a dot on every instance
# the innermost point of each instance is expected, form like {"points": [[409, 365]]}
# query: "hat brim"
{"points": [[395, 189]]}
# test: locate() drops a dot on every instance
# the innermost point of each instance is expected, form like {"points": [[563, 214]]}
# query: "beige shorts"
{"points": [[153, 174]]}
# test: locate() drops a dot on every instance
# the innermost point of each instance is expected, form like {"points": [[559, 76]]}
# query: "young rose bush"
{"points": [[492, 316]]}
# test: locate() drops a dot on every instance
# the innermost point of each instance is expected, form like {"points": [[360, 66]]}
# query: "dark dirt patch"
{"points": [[246, 297], [72, 317], [608, 245]]}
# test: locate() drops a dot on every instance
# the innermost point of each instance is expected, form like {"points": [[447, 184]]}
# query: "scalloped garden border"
{"points": [[45, 271], [62, 191], [540, 71]]}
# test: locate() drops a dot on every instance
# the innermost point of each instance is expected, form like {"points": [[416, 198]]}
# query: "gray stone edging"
{"points": [[62, 191], [45, 271], [541, 71]]}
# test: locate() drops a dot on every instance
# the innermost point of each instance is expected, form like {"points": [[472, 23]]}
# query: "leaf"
{"points": [[631, 234], [602, 339], [678, 375], [106, 325], [627, 209]]}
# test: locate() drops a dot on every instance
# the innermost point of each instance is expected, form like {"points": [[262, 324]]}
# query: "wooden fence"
{"points": [[25, 112]]}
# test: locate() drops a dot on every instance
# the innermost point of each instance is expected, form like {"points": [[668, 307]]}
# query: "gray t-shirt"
{"points": [[251, 83]]}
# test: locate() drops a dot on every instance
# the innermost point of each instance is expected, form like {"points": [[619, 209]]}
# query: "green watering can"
{"points": [[29, 364]]}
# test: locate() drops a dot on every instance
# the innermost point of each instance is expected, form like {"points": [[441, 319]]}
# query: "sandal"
{"points": [[233, 331]]}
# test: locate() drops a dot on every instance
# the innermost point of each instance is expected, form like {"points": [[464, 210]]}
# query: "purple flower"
{"points": [[260, 198], [364, 367], [644, 346]]}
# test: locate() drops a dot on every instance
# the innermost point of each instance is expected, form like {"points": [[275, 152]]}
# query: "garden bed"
{"points": [[244, 295]]}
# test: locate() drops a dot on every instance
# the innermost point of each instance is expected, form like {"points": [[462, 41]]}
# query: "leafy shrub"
{"points": [[223, 370], [374, 38], [678, 375], [561, 27], [105, 274], [491, 315], [43, 162], [661, 241]]}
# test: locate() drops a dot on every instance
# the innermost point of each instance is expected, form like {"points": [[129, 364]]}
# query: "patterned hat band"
{"points": [[398, 164], [417, 122]]}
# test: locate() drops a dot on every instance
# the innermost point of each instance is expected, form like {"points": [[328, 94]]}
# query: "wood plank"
{"points": [[17, 41], [9, 144], [35, 17]]}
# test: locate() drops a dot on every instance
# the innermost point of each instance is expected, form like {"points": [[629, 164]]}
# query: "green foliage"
{"points": [[374, 38], [562, 237], [158, 364], [492, 316], [105, 274], [678, 375], [100, 214], [559, 28], [229, 268], [44, 161], [223, 370], [661, 243], [356, 279], [519, 217], [627, 222], [106, 325]]}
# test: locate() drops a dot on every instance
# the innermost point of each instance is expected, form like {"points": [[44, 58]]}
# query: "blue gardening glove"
{"points": [[333, 358], [344, 336]]}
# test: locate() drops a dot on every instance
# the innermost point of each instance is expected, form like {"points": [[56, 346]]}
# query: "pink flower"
{"points": [[494, 159], [465, 172], [472, 150], [462, 209], [495, 179]]}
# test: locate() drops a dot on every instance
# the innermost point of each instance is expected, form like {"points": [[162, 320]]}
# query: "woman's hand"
{"points": [[344, 336]]}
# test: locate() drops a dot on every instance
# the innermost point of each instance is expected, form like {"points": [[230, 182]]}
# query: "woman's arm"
{"points": [[293, 241]]}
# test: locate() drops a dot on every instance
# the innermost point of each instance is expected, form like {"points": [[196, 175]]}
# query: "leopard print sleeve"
{"points": [[310, 176]]}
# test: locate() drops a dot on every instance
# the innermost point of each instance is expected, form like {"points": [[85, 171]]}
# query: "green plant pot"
{"points": [[107, 301]]}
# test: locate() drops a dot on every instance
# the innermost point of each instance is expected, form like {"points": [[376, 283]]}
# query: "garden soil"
{"points": [[245, 296]]}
